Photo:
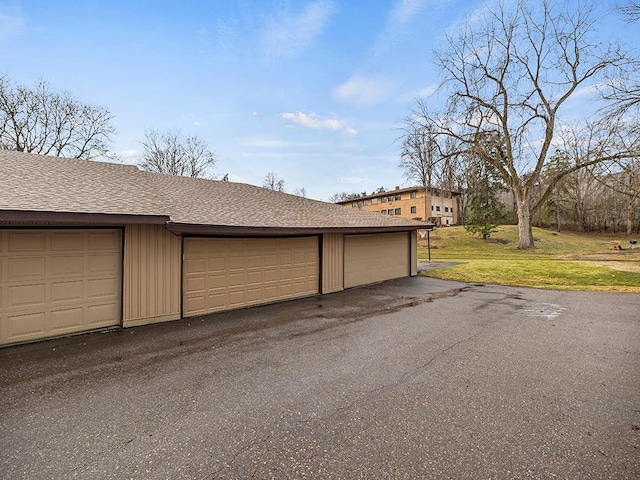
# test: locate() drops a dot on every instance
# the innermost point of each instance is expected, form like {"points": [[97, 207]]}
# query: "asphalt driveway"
{"points": [[415, 378]]}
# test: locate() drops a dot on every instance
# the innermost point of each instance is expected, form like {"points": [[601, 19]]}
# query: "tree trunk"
{"points": [[630, 217], [525, 233]]}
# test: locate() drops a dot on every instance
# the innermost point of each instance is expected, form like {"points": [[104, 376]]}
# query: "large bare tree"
{"points": [[508, 75], [40, 120], [173, 153]]}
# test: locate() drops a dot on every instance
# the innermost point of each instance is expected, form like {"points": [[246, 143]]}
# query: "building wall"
{"points": [[152, 275], [442, 209], [332, 273]]}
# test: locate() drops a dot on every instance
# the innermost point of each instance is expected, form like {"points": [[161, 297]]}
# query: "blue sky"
{"points": [[312, 90]]}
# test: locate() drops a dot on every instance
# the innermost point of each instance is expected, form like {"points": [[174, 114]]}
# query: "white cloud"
{"points": [[364, 92], [350, 132], [312, 121], [289, 33]]}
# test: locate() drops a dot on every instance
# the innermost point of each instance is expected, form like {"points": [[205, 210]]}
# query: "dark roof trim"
{"points": [[223, 230], [74, 217]]}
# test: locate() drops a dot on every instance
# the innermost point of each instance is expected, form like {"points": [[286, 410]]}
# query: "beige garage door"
{"points": [[374, 258], [226, 273], [55, 282]]}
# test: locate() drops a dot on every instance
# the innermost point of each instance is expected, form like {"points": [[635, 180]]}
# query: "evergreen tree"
{"points": [[486, 211]]}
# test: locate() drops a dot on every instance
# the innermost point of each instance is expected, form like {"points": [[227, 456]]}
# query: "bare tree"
{"points": [[420, 155], [300, 192], [630, 10], [509, 74], [39, 120], [172, 153], [273, 182], [343, 196]]}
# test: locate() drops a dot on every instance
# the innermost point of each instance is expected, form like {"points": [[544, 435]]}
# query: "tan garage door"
{"points": [[55, 282], [226, 273], [374, 258]]}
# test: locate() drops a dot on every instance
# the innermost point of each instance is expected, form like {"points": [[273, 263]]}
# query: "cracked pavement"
{"points": [[412, 378]]}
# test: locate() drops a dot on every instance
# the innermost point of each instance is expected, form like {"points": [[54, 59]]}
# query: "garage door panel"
{"points": [[103, 240], [197, 265], [214, 264], [102, 288], [101, 315], [375, 258], [66, 319], [25, 327], [65, 266], [67, 292], [21, 296], [58, 281], [25, 268], [66, 241], [27, 241], [248, 272], [99, 264]]}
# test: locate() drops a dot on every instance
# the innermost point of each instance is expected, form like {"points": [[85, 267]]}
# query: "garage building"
{"points": [[87, 245]]}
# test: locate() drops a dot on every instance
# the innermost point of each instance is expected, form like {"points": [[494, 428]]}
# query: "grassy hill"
{"points": [[560, 261]]}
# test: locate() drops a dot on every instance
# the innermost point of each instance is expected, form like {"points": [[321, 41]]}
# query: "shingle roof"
{"points": [[36, 183]]}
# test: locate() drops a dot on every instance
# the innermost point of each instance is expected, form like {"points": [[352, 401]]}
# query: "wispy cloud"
{"points": [[406, 10], [287, 33], [351, 180], [420, 93], [265, 143], [364, 91], [314, 122], [11, 26]]}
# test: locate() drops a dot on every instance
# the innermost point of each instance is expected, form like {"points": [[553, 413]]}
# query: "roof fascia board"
{"points": [[75, 217], [224, 230]]}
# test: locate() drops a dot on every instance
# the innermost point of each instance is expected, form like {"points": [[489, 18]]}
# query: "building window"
{"points": [[384, 212], [398, 196], [412, 195], [360, 204], [398, 211], [374, 201], [366, 202], [354, 204], [432, 208], [383, 199], [413, 209], [390, 211], [391, 198], [437, 208], [446, 209]]}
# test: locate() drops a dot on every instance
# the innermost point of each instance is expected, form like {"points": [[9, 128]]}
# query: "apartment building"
{"points": [[441, 207]]}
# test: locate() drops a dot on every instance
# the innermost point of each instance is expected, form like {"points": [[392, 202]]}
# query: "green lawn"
{"points": [[568, 261]]}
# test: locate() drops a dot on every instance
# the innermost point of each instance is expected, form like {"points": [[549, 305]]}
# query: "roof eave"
{"points": [[248, 231], [19, 216]]}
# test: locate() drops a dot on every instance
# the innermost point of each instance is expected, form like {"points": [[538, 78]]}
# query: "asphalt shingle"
{"points": [[52, 184]]}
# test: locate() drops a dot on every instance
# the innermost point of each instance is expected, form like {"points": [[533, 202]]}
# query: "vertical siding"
{"points": [[332, 262], [152, 265], [414, 252]]}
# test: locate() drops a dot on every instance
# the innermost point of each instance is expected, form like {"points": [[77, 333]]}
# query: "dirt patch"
{"points": [[617, 265]]}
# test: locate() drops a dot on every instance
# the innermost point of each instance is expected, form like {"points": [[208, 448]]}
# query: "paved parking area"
{"points": [[414, 378]]}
